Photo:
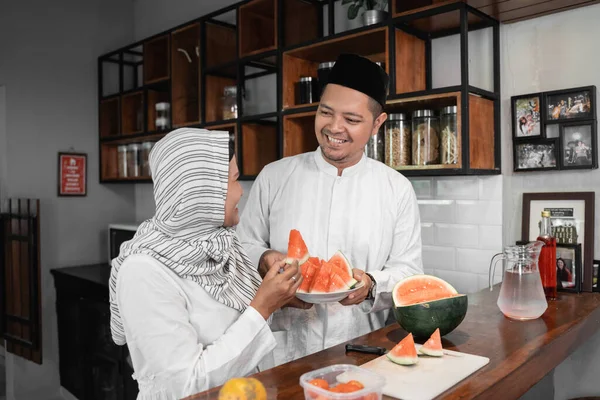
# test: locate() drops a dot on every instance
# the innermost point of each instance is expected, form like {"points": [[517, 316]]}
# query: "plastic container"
{"points": [[229, 102], [425, 138], [133, 160], [122, 161], [448, 136], [163, 116], [397, 140], [338, 373]]}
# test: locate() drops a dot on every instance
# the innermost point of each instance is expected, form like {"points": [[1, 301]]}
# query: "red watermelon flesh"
{"points": [[320, 283], [309, 269], [433, 346], [340, 260], [345, 277], [297, 249], [404, 353], [337, 283]]}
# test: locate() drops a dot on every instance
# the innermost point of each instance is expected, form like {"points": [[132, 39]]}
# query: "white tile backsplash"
{"points": [[456, 235], [427, 234], [474, 260], [435, 257], [436, 210], [423, 187], [463, 282], [457, 188], [479, 212], [490, 237], [490, 187]]}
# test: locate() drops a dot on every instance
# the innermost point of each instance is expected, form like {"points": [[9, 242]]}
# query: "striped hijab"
{"points": [[190, 174]]}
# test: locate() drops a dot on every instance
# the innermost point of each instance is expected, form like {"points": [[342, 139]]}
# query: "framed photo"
{"points": [[536, 155], [578, 145], [572, 221], [527, 116], [595, 285], [570, 104], [72, 174], [568, 267]]}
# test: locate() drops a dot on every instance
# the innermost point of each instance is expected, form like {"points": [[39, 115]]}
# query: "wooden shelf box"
{"points": [[109, 118], [299, 133], [213, 102], [259, 146], [132, 113], [221, 41], [156, 59], [109, 162], [305, 61], [154, 97], [257, 27], [302, 22], [185, 85]]}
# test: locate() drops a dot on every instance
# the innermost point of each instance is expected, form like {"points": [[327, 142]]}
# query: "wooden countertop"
{"points": [[520, 353]]}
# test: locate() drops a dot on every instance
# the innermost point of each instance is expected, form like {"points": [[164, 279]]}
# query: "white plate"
{"points": [[320, 298]]}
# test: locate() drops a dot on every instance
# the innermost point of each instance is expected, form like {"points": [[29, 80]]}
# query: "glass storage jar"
{"points": [[229, 102], [397, 140], [425, 138], [448, 136], [133, 160], [145, 158], [374, 147], [163, 116], [122, 161], [306, 90]]}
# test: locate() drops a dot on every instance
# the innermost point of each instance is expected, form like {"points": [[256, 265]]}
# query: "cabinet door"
{"points": [[70, 347]]}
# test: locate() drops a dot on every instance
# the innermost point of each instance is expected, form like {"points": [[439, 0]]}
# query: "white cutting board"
{"points": [[427, 379]]}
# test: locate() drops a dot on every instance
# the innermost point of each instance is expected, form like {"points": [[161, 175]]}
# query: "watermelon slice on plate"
{"points": [[433, 346], [320, 283], [297, 249], [405, 352], [309, 269], [343, 269]]}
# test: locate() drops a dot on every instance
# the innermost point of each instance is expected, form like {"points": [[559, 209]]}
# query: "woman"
{"points": [[184, 296], [563, 275]]}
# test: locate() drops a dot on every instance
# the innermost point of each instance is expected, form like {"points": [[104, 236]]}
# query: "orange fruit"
{"points": [[243, 389]]}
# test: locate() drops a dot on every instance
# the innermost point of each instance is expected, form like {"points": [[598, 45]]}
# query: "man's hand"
{"points": [[361, 294], [273, 257]]}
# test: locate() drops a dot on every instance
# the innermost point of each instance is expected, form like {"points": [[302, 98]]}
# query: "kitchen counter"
{"points": [[520, 353]]}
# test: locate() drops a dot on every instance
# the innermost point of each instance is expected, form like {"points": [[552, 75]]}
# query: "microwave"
{"points": [[117, 234]]}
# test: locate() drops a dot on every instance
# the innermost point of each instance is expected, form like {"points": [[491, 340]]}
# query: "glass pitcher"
{"points": [[521, 293]]}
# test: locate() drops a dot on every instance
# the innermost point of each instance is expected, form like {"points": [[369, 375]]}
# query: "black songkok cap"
{"points": [[359, 73]]}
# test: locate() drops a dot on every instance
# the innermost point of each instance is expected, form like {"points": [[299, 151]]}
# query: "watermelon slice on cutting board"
{"points": [[405, 352], [433, 346]]}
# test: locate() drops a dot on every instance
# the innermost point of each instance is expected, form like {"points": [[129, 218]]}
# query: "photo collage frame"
{"points": [[555, 130]]}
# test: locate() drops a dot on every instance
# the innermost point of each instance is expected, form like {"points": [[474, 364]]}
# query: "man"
{"points": [[339, 200]]}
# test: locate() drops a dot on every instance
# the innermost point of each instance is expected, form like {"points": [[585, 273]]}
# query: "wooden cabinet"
{"points": [[190, 66], [91, 366]]}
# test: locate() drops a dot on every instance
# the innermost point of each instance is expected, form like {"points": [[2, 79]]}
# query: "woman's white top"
{"points": [[180, 339]]}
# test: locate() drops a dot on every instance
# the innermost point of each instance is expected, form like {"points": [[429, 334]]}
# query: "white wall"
{"points": [[48, 58], [540, 55]]}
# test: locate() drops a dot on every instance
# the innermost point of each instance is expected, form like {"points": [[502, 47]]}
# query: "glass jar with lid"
{"points": [[133, 160], [448, 136], [229, 102], [425, 138], [397, 140], [163, 116], [375, 146], [145, 158]]}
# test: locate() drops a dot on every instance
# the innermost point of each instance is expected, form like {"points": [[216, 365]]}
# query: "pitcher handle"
{"points": [[492, 271]]}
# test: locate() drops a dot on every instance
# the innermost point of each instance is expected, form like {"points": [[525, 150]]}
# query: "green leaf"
{"points": [[353, 11]]}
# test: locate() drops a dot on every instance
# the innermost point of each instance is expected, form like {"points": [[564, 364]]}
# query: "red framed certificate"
{"points": [[72, 174]]}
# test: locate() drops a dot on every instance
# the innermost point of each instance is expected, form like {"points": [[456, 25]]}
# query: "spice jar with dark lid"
{"points": [[397, 140], [425, 138], [323, 73], [306, 90]]}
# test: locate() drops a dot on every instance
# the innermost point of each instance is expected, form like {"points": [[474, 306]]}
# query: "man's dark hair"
{"points": [[375, 108]]}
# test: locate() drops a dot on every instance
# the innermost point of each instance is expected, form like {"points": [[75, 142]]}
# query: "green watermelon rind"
{"points": [[409, 279], [403, 360], [290, 260], [423, 319]]}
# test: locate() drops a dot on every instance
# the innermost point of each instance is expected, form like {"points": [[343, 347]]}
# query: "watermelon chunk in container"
{"points": [[339, 374]]}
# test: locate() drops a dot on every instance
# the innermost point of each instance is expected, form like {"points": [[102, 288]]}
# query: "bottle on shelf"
{"points": [[547, 261]]}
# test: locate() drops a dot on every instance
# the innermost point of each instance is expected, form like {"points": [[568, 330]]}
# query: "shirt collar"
{"points": [[329, 169]]}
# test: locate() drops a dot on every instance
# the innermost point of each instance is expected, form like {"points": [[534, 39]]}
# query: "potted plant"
{"points": [[374, 10]]}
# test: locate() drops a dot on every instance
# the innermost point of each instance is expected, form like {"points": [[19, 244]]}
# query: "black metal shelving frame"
{"points": [[401, 21]]}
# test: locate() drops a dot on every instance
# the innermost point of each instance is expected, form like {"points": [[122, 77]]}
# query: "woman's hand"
{"points": [[277, 289]]}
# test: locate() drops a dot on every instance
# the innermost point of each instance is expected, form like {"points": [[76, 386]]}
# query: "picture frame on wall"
{"points": [[572, 221], [72, 174], [527, 116], [568, 268], [578, 145], [574, 104], [536, 155]]}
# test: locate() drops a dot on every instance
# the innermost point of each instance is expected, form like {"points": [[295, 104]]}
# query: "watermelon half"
{"points": [[405, 352], [433, 346], [424, 303], [297, 249]]}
